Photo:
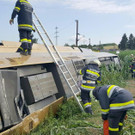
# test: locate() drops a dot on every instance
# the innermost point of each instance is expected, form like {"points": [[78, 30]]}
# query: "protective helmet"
{"points": [[132, 55], [95, 61]]}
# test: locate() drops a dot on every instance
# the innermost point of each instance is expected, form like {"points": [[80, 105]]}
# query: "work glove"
{"points": [[11, 21], [126, 117], [33, 29], [104, 116], [78, 73]]}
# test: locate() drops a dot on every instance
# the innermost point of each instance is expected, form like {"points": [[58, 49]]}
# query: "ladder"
{"points": [[60, 62]]}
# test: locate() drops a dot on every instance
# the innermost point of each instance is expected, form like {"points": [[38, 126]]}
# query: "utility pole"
{"points": [[56, 28], [89, 41], [76, 33], [99, 42]]}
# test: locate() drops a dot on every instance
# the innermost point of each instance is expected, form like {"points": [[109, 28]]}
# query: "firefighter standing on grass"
{"points": [[24, 11], [91, 74], [114, 102], [132, 66]]}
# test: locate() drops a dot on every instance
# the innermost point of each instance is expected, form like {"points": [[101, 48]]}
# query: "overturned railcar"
{"points": [[104, 57], [32, 85]]}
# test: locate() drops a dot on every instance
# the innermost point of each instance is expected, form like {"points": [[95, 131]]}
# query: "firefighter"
{"points": [[114, 102], [91, 74], [132, 68], [24, 11]]}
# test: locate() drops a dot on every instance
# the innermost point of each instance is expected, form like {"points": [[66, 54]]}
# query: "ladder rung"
{"points": [[69, 79], [73, 86], [42, 33], [61, 65], [65, 72], [77, 93], [58, 58], [37, 25]]}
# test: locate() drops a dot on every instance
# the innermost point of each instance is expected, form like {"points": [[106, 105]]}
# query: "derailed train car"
{"points": [[31, 85]]}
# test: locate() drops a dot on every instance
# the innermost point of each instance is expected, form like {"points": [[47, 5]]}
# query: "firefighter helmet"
{"points": [[95, 61]]}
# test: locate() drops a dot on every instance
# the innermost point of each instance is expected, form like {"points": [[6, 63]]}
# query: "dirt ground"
{"points": [[131, 87]]}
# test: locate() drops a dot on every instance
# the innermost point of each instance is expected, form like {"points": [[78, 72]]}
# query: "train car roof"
{"points": [[40, 55], [89, 52], [10, 58]]}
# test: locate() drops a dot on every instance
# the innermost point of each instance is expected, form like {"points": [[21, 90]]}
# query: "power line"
{"points": [[56, 33], [76, 33]]}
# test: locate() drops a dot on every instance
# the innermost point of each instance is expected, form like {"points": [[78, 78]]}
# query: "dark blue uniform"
{"points": [[114, 102], [132, 68], [24, 11], [91, 74]]}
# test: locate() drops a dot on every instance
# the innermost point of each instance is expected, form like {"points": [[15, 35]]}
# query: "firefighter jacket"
{"points": [[24, 11], [91, 75], [132, 67], [113, 98]]}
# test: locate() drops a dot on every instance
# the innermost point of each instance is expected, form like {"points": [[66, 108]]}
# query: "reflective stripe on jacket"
{"points": [[91, 73], [24, 11], [114, 98]]}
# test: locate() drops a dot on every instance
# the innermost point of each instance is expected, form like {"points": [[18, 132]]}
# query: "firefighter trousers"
{"points": [[85, 96], [116, 120], [25, 39]]}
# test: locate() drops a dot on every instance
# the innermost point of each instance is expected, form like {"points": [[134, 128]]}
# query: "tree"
{"points": [[66, 44], [123, 43], [89, 46], [134, 43], [130, 43], [83, 46]]}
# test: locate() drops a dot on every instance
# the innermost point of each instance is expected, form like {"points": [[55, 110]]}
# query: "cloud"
{"points": [[102, 6], [96, 6], [130, 26], [81, 39]]}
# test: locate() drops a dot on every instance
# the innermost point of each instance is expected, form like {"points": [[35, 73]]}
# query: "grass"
{"points": [[71, 121]]}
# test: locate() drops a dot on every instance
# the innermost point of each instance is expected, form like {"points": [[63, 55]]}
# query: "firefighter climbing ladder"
{"points": [[61, 64]]}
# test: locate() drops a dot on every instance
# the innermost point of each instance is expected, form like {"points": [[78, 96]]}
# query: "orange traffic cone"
{"points": [[106, 127]]}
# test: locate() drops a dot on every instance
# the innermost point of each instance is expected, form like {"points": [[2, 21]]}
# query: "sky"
{"points": [[99, 21]]}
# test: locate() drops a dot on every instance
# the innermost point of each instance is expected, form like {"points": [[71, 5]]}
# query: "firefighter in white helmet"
{"points": [[91, 76]]}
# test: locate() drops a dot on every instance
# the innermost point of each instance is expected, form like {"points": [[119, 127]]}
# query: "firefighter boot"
{"points": [[29, 48], [88, 110], [24, 52], [29, 51]]}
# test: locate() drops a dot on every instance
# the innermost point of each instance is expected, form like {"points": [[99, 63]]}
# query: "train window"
{"points": [[78, 64]]}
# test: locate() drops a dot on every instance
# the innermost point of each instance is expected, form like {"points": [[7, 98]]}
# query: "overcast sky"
{"points": [[102, 21]]}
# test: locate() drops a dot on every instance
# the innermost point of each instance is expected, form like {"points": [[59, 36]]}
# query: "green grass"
{"points": [[124, 55], [71, 121]]}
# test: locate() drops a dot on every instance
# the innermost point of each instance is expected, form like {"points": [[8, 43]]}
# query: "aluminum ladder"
{"points": [[61, 64]]}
